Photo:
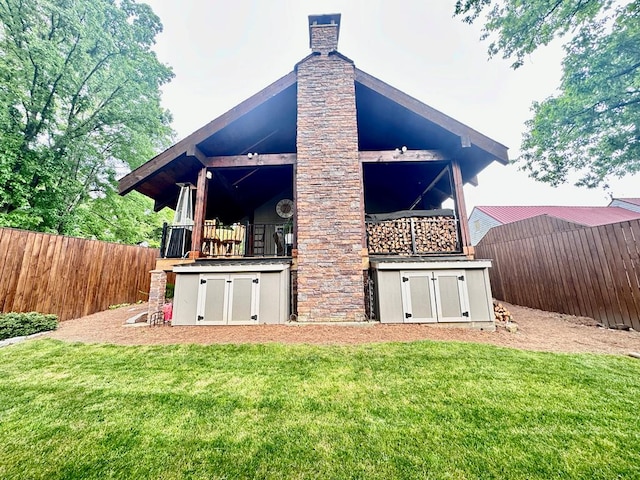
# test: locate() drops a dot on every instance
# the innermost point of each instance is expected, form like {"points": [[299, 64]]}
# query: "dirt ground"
{"points": [[537, 330]]}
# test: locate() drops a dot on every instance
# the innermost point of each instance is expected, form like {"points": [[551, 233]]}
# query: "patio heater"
{"points": [[180, 230]]}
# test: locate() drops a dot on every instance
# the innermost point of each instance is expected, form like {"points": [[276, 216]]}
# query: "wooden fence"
{"points": [[70, 277], [562, 267]]}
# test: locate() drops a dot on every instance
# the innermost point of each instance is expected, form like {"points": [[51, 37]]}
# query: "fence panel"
{"points": [[592, 271], [70, 277]]}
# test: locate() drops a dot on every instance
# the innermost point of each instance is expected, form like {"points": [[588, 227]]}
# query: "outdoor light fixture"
{"points": [[404, 148], [209, 175]]}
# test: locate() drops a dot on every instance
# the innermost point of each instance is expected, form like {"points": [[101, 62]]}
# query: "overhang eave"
{"points": [[132, 180]]}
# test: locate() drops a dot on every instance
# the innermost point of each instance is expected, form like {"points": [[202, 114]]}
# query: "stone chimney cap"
{"points": [[325, 20]]}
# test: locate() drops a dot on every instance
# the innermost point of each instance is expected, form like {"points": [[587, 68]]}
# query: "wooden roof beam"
{"points": [[250, 160], [400, 156]]}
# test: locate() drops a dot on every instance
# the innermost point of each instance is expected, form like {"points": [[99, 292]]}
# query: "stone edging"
{"points": [[10, 341]]}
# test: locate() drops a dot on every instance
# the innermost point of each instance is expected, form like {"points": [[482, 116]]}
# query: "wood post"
{"points": [[461, 209], [199, 214]]}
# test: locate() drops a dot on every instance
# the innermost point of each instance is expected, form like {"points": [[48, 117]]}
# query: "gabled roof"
{"points": [[588, 216], [266, 123]]}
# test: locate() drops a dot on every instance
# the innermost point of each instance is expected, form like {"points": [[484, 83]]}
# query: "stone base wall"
{"points": [[156, 292]]}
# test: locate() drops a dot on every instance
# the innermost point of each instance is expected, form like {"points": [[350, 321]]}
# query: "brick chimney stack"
{"points": [[329, 195], [323, 33]]}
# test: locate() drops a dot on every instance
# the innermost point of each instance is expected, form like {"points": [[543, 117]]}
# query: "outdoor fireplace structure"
{"points": [[332, 183]]}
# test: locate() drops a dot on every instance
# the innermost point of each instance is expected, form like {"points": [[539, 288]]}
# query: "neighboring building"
{"points": [[483, 218], [632, 204], [320, 198]]}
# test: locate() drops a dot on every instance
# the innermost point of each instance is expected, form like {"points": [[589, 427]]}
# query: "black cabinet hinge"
{"points": [[254, 317], [461, 277], [203, 280], [256, 280], [407, 315], [200, 318], [405, 279]]}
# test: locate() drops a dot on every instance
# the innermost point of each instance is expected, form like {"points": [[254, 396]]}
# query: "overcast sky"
{"points": [[222, 52]]}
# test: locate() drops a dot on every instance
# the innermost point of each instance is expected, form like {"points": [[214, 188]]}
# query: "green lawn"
{"points": [[416, 410]]}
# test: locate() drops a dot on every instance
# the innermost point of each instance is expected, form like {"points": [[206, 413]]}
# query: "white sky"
{"points": [[222, 52]]}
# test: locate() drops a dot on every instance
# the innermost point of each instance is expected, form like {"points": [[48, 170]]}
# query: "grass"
{"points": [[416, 410]]}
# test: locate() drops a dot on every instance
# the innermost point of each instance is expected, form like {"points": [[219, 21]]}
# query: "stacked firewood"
{"points": [[390, 236], [432, 235], [501, 313], [435, 234]]}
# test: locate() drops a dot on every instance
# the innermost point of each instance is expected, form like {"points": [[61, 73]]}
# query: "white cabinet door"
{"points": [[418, 300], [228, 299], [434, 296], [243, 299], [452, 299]]}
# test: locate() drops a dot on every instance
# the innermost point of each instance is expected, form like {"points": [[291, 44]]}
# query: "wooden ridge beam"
{"points": [[399, 156]]}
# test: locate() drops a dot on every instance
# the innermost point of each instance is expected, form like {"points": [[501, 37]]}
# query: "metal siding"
{"points": [[185, 300], [480, 301], [486, 223], [389, 294], [271, 297], [626, 205]]}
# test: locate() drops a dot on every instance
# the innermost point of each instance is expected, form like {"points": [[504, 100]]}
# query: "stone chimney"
{"points": [[329, 193], [323, 33]]}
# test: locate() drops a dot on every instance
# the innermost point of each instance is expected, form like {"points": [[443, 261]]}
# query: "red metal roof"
{"points": [[589, 216]]}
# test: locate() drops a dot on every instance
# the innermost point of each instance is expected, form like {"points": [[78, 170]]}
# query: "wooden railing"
{"points": [[235, 240]]}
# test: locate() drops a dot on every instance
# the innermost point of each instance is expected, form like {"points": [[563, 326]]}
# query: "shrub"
{"points": [[19, 324]]}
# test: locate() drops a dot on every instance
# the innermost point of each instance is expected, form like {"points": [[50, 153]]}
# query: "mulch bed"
{"points": [[537, 330]]}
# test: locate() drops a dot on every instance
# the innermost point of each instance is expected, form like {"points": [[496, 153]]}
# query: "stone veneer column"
{"points": [[329, 201], [156, 292]]}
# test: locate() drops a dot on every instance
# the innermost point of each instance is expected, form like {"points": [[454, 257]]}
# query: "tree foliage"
{"points": [[79, 106], [589, 130]]}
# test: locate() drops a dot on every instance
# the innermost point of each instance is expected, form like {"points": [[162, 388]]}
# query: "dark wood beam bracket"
{"points": [[194, 151]]}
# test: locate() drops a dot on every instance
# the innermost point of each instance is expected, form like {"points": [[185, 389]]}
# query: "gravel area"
{"points": [[537, 330]]}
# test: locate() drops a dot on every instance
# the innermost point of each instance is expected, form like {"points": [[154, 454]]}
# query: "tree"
{"points": [[79, 105], [591, 127]]}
